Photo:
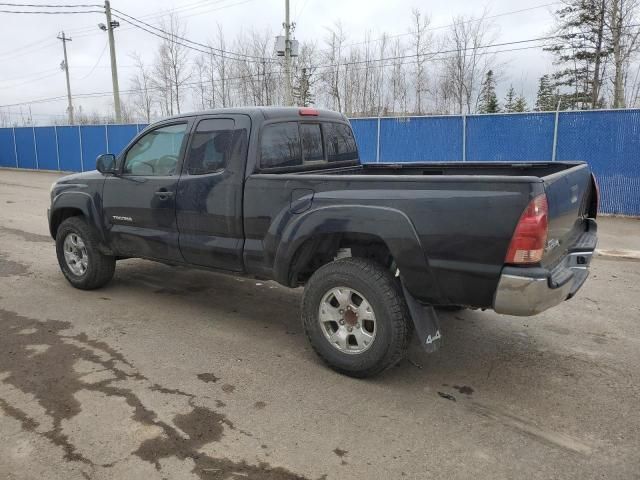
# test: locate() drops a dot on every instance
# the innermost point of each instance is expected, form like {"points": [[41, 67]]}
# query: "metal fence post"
{"points": [[464, 137], [80, 142], [55, 131], [555, 137], [378, 143], [106, 136], [15, 147], [35, 147]]}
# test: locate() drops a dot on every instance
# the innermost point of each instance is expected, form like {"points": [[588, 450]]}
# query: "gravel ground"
{"points": [[174, 373]]}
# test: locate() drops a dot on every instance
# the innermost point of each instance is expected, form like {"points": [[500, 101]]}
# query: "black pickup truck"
{"points": [[279, 193]]}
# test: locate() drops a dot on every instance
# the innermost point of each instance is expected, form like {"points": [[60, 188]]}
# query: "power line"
{"points": [[208, 51], [244, 77], [48, 12], [184, 8], [473, 20], [38, 5], [106, 44], [172, 36]]}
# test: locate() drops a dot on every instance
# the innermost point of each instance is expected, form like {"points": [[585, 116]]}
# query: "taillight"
{"points": [[530, 236], [595, 198]]}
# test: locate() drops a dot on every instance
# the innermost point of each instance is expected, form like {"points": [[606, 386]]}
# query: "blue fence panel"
{"points": [[94, 143], [119, 136], [526, 138], [366, 132], [610, 142], [69, 149], [421, 139], [7, 150], [46, 148], [25, 147]]}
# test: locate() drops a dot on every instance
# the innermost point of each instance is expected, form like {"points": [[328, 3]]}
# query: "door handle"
{"points": [[164, 194]]}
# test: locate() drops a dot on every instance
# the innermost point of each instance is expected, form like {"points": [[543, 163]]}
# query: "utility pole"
{"points": [[287, 55], [65, 67], [114, 65]]}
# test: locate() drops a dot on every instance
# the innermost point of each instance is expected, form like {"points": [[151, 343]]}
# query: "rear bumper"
{"points": [[529, 291]]}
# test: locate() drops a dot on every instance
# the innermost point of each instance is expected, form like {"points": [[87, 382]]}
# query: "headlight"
{"points": [[53, 186]]}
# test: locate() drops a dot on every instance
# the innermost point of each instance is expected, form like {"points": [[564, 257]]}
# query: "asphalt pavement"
{"points": [[185, 374]]}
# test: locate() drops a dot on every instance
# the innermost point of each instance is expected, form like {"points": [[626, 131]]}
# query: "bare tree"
{"points": [[625, 43], [142, 88], [468, 65], [398, 78], [174, 58], [334, 41], [421, 39]]}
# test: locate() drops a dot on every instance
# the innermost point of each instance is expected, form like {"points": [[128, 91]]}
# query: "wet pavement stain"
{"points": [[9, 268], [28, 236], [51, 379], [227, 388], [339, 452], [447, 396], [207, 377], [170, 391], [465, 390]]}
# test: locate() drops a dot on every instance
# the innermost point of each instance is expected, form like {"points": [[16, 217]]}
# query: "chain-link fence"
{"points": [[609, 140]]}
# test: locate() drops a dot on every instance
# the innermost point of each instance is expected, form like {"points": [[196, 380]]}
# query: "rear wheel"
{"points": [[79, 257], [355, 317]]}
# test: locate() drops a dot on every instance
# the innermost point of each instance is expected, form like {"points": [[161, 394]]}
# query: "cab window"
{"points": [[156, 153]]}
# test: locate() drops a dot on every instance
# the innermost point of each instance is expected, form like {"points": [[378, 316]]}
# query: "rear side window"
{"points": [[341, 146], [211, 146], [280, 146], [294, 144]]}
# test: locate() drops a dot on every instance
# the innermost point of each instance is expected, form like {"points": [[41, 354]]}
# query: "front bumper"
{"points": [[529, 291]]}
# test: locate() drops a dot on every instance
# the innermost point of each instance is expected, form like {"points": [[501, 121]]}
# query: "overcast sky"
{"points": [[31, 54]]}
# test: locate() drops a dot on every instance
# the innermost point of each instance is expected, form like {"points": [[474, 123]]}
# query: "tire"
{"points": [[355, 278], [94, 269]]}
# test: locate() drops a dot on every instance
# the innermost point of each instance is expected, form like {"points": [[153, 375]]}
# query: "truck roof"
{"points": [[266, 113]]}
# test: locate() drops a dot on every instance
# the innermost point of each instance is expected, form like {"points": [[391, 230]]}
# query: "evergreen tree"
{"points": [[546, 100], [581, 49], [488, 98], [302, 90], [510, 100], [520, 104]]}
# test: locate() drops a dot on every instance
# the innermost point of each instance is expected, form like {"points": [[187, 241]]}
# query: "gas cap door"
{"points": [[301, 200]]}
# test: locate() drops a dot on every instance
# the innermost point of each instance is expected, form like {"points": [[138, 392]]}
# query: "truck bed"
{"points": [[463, 215], [525, 169]]}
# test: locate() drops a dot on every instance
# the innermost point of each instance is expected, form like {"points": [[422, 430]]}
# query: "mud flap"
{"points": [[425, 319]]}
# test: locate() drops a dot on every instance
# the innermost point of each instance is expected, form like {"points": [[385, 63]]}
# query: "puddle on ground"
{"points": [[51, 378]]}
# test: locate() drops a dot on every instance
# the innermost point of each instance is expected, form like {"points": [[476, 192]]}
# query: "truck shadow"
{"points": [[481, 351]]}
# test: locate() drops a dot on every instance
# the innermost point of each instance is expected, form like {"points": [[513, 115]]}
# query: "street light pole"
{"points": [[114, 65]]}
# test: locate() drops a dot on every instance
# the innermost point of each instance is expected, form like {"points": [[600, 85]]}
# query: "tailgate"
{"points": [[569, 196]]}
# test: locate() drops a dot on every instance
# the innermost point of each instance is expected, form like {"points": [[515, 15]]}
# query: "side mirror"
{"points": [[106, 163]]}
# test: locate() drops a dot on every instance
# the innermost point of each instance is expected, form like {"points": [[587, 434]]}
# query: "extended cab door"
{"points": [[209, 198], [140, 203]]}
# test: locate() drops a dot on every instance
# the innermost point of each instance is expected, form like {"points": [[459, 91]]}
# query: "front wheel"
{"points": [[355, 317], [79, 257]]}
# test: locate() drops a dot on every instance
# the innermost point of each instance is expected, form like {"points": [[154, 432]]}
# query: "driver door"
{"points": [[139, 203]]}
